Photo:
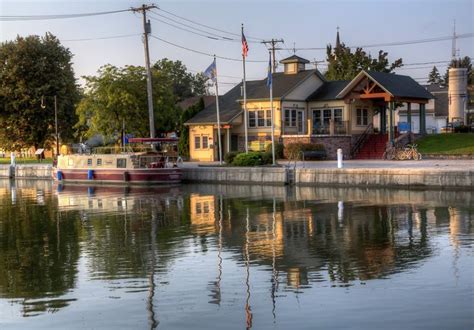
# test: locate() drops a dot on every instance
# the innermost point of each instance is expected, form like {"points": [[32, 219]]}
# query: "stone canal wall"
{"points": [[253, 175], [370, 177], [26, 171], [373, 177]]}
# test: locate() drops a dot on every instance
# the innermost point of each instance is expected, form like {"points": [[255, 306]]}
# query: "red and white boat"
{"points": [[123, 167]]}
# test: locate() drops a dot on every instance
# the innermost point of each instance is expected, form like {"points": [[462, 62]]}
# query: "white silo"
{"points": [[457, 93]]}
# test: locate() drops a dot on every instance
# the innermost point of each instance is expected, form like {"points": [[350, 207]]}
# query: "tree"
{"points": [[345, 64], [185, 84], [31, 69], [434, 76], [118, 96], [464, 62], [184, 130]]}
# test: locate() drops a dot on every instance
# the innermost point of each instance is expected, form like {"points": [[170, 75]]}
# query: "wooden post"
{"points": [[422, 119], [391, 132], [383, 119], [409, 116]]}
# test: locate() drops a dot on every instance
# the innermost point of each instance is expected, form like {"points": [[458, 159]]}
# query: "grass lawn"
{"points": [[447, 144], [6, 161]]}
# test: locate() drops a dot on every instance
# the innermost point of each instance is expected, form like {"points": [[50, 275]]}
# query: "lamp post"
{"points": [[43, 106]]}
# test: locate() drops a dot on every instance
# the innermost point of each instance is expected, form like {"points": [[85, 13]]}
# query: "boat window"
{"points": [[99, 162], [89, 162], [121, 163]]}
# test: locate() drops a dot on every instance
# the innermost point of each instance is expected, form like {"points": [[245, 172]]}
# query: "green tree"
{"points": [[464, 62], [184, 130], [185, 84], [118, 96], [345, 64], [32, 68], [434, 77]]}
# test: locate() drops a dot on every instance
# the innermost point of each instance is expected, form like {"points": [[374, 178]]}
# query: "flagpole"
{"points": [[273, 118], [245, 101], [218, 118]]}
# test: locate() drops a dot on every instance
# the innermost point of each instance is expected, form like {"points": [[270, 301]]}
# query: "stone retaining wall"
{"points": [[253, 175], [27, 171], [330, 143], [385, 177]]}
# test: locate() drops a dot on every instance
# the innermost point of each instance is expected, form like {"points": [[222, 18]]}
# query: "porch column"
{"points": [[383, 119], [409, 116], [422, 119], [391, 136], [228, 139]]}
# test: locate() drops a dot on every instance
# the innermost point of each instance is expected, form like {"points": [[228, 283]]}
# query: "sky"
{"points": [[299, 23]]}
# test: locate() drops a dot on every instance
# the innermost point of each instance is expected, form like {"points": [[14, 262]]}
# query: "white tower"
{"points": [[457, 93]]}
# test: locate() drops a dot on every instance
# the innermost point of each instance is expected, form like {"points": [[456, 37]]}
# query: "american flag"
{"points": [[245, 46]]}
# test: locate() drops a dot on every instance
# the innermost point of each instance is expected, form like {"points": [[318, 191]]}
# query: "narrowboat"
{"points": [[147, 167]]}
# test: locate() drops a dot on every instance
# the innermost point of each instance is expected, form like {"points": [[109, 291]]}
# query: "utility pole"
{"points": [[147, 30], [273, 47], [453, 50]]}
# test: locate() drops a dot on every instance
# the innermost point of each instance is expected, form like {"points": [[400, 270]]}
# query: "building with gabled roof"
{"points": [[308, 109]]}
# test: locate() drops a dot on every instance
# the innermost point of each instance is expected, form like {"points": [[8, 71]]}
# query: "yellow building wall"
{"points": [[201, 154]]}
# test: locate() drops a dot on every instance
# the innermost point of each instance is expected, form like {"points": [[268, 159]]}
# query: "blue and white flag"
{"points": [[211, 71], [269, 75]]}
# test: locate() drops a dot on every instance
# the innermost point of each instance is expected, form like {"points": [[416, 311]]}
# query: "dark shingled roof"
{"points": [[190, 101], [400, 86], [228, 109], [293, 59], [282, 84], [328, 91]]}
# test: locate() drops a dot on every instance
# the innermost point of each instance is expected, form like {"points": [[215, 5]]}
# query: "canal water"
{"points": [[234, 257]]}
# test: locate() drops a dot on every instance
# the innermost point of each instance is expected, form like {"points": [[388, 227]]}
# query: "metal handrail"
{"points": [[361, 140]]}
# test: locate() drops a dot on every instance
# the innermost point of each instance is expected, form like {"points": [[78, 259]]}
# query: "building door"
{"points": [[234, 142]]}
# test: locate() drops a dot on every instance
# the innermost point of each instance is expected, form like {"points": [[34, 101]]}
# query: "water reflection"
{"points": [[158, 243]]}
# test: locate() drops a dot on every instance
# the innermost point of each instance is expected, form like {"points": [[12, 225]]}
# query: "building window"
{"points": [[294, 118], [198, 208], [197, 142], [99, 162], [205, 142], [89, 162], [121, 163], [201, 142], [322, 118], [337, 113], [260, 118], [362, 117], [252, 122]]}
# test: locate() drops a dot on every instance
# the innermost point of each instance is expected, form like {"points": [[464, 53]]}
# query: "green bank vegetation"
{"points": [[447, 144]]}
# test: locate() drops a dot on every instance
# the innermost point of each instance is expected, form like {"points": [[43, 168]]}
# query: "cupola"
{"points": [[294, 64]]}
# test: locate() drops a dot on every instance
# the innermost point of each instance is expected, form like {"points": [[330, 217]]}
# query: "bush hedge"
{"points": [[278, 150], [252, 159], [229, 157]]}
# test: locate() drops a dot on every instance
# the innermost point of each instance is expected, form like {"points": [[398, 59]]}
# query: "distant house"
{"points": [[436, 111], [307, 108]]}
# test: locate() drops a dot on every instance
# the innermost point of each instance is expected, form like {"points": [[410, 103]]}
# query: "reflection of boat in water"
{"points": [[123, 167], [109, 197]]}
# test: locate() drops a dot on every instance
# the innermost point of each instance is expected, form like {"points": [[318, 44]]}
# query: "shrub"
{"points": [[252, 159], [267, 157], [229, 157], [461, 129], [278, 150]]}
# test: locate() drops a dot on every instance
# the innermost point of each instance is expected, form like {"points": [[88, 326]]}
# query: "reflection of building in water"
{"points": [[203, 213]]}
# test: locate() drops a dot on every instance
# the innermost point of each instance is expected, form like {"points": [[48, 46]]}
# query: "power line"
{"points": [[208, 34], [204, 53], [183, 29], [207, 26], [397, 43], [62, 16], [102, 38]]}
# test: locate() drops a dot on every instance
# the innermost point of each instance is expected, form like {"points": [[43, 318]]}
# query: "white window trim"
{"points": [[291, 117], [356, 121], [265, 118]]}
